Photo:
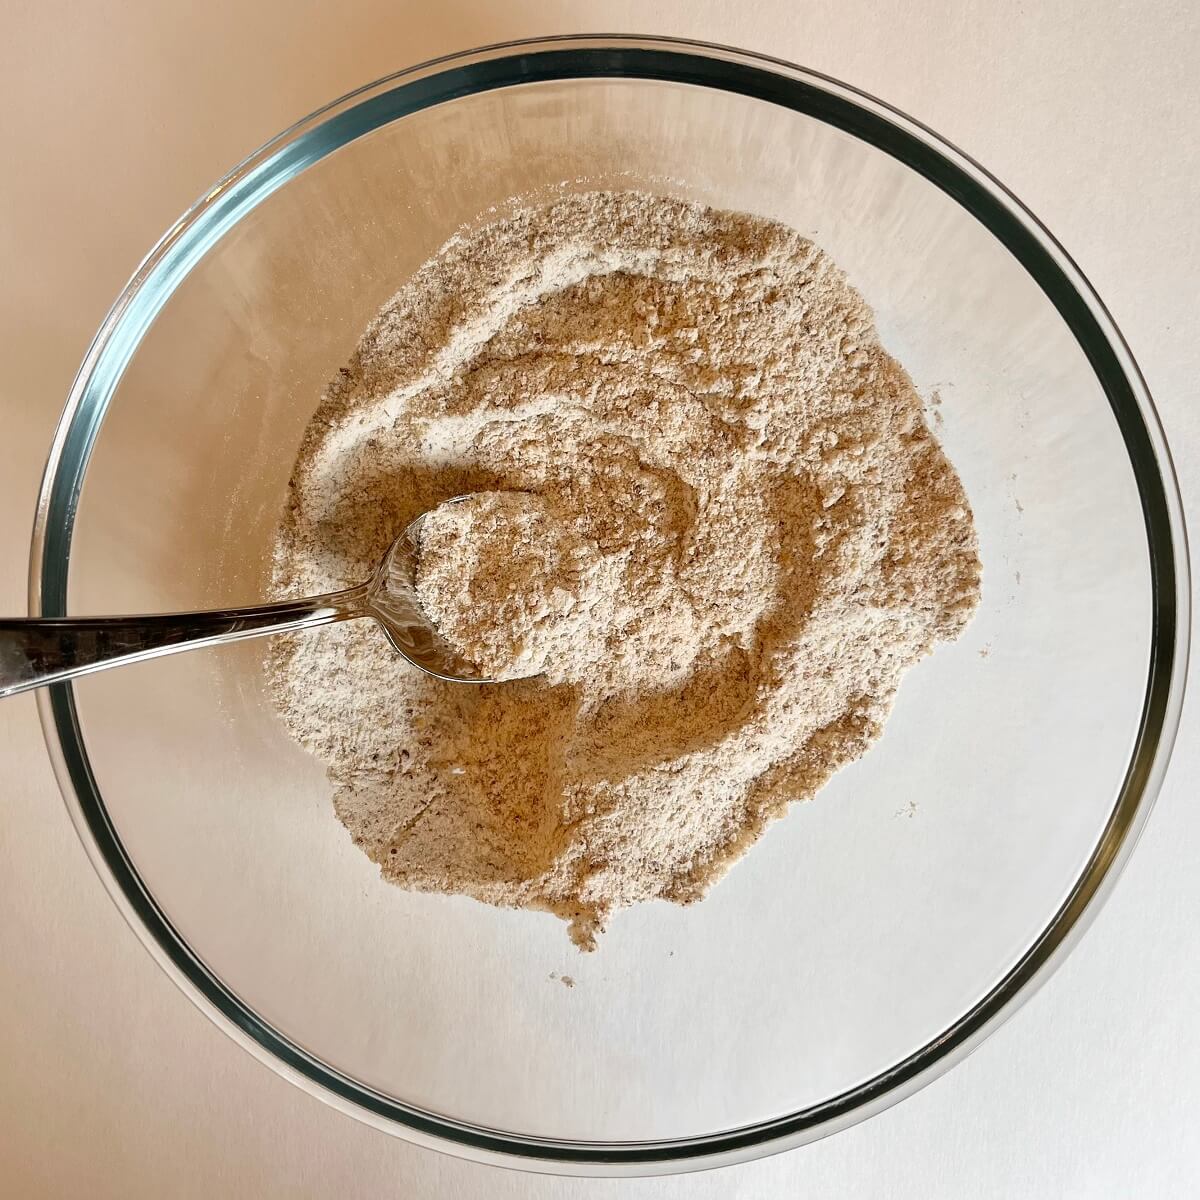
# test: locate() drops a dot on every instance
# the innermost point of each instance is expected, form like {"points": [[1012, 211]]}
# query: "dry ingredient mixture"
{"points": [[710, 513], [517, 588]]}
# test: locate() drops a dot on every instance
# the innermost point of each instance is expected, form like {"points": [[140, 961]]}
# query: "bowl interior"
{"points": [[862, 926]]}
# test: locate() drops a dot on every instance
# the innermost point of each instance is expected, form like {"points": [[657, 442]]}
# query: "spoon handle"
{"points": [[37, 651]]}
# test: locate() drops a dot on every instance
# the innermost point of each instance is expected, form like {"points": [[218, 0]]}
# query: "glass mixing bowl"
{"points": [[873, 937]]}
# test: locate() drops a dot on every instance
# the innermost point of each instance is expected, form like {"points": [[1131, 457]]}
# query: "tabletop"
{"points": [[113, 119]]}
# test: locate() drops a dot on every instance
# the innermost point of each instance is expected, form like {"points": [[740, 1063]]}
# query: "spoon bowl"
{"points": [[392, 601]]}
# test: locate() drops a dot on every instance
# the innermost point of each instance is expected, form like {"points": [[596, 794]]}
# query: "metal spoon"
{"points": [[35, 651]]}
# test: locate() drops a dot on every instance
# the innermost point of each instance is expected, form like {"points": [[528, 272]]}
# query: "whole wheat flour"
{"points": [[517, 589], [711, 514]]}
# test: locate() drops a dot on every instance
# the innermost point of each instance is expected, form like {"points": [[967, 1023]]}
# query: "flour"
{"points": [[516, 588], [712, 516]]}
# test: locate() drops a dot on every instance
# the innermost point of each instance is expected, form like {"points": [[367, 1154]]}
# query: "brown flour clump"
{"points": [[726, 533]]}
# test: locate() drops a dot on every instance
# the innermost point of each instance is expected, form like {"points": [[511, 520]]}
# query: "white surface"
{"points": [[111, 1082]]}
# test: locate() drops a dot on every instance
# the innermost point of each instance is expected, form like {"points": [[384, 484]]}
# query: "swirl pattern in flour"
{"points": [[750, 521]]}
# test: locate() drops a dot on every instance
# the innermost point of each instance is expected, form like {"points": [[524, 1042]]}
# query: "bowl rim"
{"points": [[516, 63]]}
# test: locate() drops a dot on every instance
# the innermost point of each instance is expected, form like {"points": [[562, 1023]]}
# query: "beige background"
{"points": [[113, 117]]}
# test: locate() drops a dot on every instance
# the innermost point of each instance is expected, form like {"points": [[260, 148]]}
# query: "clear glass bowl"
{"points": [[874, 936]]}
